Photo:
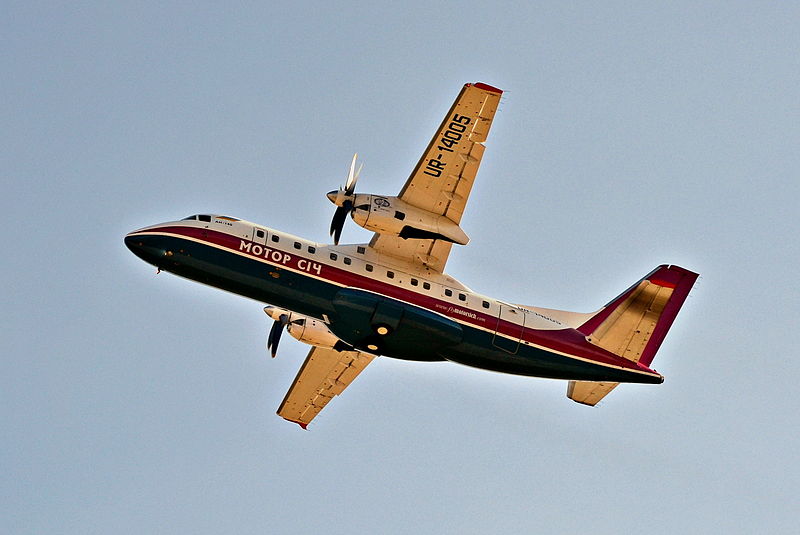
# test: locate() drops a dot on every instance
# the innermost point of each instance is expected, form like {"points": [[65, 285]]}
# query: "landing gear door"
{"points": [[510, 326], [259, 235]]}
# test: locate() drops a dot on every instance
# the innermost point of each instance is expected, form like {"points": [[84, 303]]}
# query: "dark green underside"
{"points": [[410, 341]]}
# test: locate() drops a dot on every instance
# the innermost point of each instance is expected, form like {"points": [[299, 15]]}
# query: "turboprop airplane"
{"points": [[392, 297]]}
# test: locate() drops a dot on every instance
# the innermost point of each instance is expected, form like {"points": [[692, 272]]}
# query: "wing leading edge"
{"points": [[442, 180]]}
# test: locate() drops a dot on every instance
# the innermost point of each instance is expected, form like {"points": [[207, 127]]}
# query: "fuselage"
{"points": [[426, 315]]}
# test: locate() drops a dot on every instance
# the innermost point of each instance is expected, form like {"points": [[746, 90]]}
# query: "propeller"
{"points": [[282, 319], [343, 199]]}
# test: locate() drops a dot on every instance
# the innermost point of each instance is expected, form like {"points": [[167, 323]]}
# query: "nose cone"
{"points": [[145, 247], [275, 312], [130, 243]]}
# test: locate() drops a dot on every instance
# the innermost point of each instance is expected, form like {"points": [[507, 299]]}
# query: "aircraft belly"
{"points": [[376, 323], [477, 350]]}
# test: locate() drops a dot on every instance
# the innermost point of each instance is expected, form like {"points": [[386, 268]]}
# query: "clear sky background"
{"points": [[630, 134]]}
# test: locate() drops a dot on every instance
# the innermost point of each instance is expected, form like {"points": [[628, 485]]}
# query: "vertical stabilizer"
{"points": [[634, 324]]}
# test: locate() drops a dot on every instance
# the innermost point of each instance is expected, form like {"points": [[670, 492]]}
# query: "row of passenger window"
{"points": [[276, 239], [463, 297], [370, 268], [414, 282]]}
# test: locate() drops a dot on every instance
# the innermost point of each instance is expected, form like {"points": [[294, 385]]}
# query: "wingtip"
{"points": [[487, 87], [304, 425]]}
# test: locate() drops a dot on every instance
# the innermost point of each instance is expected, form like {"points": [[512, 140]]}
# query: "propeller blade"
{"points": [[355, 178], [339, 217], [337, 223], [275, 334], [274, 338], [352, 176]]}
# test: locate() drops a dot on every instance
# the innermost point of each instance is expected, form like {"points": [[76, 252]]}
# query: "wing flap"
{"points": [[432, 254], [456, 201], [324, 374]]}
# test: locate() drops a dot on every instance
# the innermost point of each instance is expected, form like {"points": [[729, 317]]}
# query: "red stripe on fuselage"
{"points": [[568, 341]]}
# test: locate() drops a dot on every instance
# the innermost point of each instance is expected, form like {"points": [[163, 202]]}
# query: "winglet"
{"points": [[487, 87]]}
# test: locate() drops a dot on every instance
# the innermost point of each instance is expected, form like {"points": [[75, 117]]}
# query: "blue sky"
{"points": [[630, 134]]}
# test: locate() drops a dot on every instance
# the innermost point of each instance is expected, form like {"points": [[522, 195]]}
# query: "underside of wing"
{"points": [[431, 254], [442, 180], [324, 374]]}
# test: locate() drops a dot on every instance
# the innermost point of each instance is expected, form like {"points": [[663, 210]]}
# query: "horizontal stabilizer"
{"points": [[588, 392]]}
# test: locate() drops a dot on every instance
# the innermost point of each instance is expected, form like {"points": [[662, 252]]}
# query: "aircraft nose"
{"points": [[145, 247], [130, 242], [134, 243]]}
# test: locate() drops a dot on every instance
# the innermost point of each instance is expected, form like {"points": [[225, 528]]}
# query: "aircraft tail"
{"points": [[634, 324]]}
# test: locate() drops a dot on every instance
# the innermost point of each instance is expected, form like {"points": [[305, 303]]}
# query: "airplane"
{"points": [[391, 297]]}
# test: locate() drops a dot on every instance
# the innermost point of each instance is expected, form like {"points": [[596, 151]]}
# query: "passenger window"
{"points": [[297, 245], [414, 282], [260, 233], [347, 260], [462, 297], [390, 274], [426, 285], [361, 250], [312, 250], [486, 304], [368, 267], [448, 292], [334, 256], [275, 238]]}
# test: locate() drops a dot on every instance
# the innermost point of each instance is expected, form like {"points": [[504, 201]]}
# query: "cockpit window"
{"points": [[190, 218], [206, 218]]}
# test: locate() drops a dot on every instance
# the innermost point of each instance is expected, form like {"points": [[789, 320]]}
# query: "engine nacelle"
{"points": [[305, 329], [312, 332], [391, 215]]}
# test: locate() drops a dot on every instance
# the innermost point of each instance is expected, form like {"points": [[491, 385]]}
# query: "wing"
{"points": [[442, 180], [324, 374]]}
